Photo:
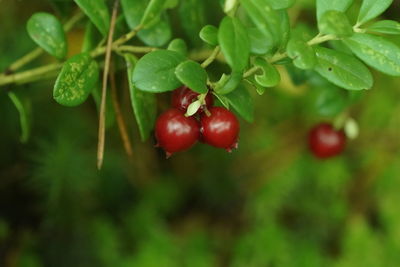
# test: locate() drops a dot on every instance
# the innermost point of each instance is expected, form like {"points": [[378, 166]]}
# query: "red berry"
{"points": [[183, 97], [175, 132], [220, 128], [325, 141]]}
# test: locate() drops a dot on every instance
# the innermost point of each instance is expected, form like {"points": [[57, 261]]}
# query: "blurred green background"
{"points": [[269, 203]]}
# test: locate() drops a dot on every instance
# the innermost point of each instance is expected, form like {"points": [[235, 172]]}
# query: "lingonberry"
{"points": [[220, 128], [175, 132], [325, 141], [183, 97]]}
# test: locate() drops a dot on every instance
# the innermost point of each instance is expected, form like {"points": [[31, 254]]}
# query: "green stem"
{"points": [[135, 49], [126, 37], [279, 56], [321, 39], [117, 43], [46, 76], [359, 30], [251, 71], [211, 58], [25, 59], [203, 54], [29, 74]]}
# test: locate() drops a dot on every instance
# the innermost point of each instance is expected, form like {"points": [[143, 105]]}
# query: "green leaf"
{"points": [[209, 34], [158, 34], [342, 69], [254, 9], [283, 61], [340, 46], [376, 51], [230, 6], [155, 72], [193, 108], [299, 76], [133, 11], [152, 13], [331, 101], [171, 4], [76, 80], [91, 38], [121, 27], [229, 83], [240, 99], [260, 44], [222, 99], [267, 20], [302, 31], [97, 12], [178, 45], [371, 9], [144, 104], [47, 32], [234, 42], [284, 28], [192, 16], [335, 22], [23, 112], [385, 26], [302, 54], [338, 5], [280, 4], [259, 89], [270, 76], [62, 8], [192, 75]]}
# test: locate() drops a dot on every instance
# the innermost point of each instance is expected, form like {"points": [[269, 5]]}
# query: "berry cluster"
{"points": [[215, 126], [219, 127]]}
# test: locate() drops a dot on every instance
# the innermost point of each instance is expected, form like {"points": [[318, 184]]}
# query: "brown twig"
{"points": [[118, 114], [102, 116]]}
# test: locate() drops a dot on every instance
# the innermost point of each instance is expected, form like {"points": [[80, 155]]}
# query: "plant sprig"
{"points": [[251, 45]]}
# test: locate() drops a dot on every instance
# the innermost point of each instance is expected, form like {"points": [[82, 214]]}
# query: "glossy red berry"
{"points": [[325, 141], [175, 132], [183, 97], [220, 128]]}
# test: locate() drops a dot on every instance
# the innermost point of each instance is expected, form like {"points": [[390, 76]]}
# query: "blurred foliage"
{"points": [[270, 203]]}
